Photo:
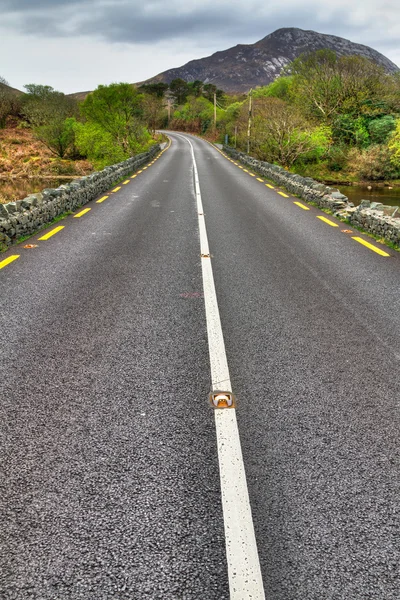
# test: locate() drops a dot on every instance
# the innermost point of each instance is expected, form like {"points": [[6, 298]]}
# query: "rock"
{"points": [[11, 208], [376, 206]]}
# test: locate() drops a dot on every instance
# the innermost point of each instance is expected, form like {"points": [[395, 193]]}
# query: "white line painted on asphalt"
{"points": [[245, 580]]}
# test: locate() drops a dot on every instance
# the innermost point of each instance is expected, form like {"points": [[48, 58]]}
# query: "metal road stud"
{"points": [[222, 400]]}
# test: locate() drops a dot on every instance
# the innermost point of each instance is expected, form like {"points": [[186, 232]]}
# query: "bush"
{"points": [[373, 164], [380, 129], [337, 157]]}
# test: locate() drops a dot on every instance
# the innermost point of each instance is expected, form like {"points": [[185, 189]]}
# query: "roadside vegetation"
{"points": [[336, 119]]}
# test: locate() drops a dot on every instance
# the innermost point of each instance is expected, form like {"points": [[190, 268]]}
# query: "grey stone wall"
{"points": [[26, 217], [373, 217]]}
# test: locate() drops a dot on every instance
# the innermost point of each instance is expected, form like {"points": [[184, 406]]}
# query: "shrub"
{"points": [[373, 163]]}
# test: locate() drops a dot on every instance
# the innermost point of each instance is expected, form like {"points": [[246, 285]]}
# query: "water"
{"points": [[17, 189], [356, 193]]}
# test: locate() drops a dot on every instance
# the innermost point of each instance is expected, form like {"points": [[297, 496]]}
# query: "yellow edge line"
{"points": [[139, 172], [83, 212], [51, 233], [116, 189], [328, 222], [101, 200], [370, 246], [125, 182], [133, 176], [271, 187], [301, 205], [8, 260], [282, 194], [262, 180]]}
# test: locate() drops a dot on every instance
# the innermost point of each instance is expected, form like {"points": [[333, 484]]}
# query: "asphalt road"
{"points": [[110, 483]]}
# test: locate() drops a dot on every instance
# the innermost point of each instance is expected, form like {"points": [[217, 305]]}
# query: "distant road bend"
{"points": [[118, 479]]}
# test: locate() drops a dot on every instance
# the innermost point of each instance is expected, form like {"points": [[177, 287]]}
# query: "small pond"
{"points": [[356, 193], [17, 189]]}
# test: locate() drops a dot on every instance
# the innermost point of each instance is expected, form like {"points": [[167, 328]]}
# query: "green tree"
{"points": [[118, 110], [8, 101], [97, 144], [195, 88], [326, 85], [59, 137], [41, 105], [280, 133], [380, 129], [49, 112], [281, 88], [394, 146], [179, 90], [155, 89]]}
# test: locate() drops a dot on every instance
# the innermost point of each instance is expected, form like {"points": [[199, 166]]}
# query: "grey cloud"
{"points": [[199, 23]]}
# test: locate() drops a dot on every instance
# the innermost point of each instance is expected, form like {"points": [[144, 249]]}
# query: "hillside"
{"points": [[245, 66], [10, 89]]}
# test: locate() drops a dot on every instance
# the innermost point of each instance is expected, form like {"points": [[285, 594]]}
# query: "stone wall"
{"points": [[26, 217], [374, 217]]}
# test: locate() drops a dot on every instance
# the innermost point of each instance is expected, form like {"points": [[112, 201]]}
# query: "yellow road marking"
{"points": [[51, 233], [127, 181], [116, 189], [144, 168], [133, 176], [139, 172], [252, 174], [262, 180], [301, 205], [367, 244], [240, 167], [245, 170], [282, 194], [271, 187], [83, 212], [8, 260], [101, 200], [328, 222]]}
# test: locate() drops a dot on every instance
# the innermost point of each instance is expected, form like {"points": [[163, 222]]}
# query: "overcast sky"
{"points": [[76, 45]]}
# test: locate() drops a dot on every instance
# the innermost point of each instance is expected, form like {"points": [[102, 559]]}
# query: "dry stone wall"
{"points": [[373, 217], [27, 216]]}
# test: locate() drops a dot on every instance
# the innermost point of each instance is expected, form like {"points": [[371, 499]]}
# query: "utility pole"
{"points": [[215, 113], [250, 116]]}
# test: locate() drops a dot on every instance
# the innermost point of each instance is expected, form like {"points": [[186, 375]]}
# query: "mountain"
{"points": [[245, 66], [10, 89]]}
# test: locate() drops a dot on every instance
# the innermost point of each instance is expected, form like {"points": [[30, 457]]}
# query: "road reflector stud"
{"points": [[222, 400], [31, 246], [205, 255], [346, 231]]}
